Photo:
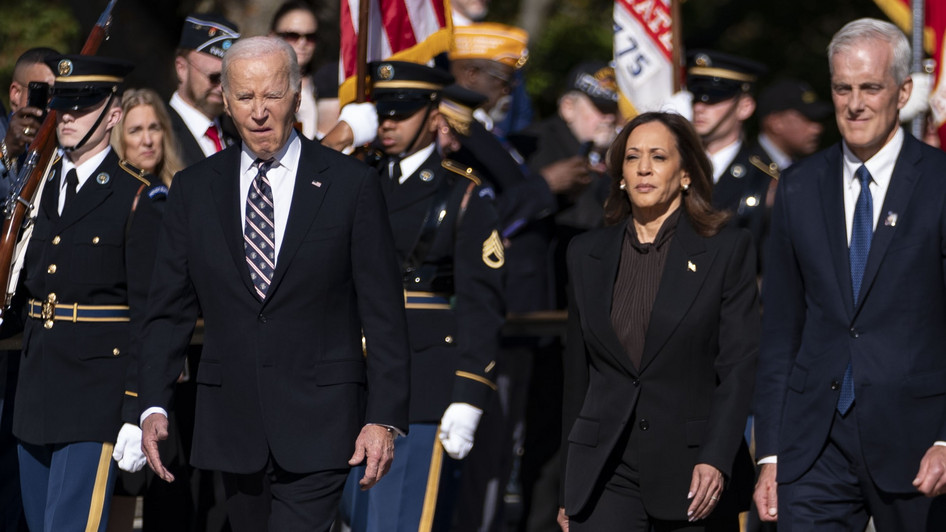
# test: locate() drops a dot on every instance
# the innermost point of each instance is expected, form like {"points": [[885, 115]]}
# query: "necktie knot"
{"points": [[263, 165], [863, 175]]}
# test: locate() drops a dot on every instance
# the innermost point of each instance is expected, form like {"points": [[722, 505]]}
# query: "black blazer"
{"points": [[895, 337], [288, 375], [690, 397], [190, 149]]}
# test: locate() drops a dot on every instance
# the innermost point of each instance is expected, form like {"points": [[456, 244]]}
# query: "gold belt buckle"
{"points": [[49, 311]]}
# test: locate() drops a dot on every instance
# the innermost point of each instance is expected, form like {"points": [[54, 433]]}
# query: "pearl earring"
{"points": [[623, 186], [685, 187]]}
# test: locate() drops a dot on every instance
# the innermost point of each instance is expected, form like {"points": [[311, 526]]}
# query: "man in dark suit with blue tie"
{"points": [[285, 248], [851, 388]]}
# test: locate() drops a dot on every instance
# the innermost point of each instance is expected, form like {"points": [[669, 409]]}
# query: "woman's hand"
{"points": [[562, 519], [705, 489]]}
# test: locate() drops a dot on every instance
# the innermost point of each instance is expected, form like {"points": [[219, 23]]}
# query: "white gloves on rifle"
{"points": [[362, 118], [128, 451], [457, 427]]}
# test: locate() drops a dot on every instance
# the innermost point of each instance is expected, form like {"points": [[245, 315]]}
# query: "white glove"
{"points": [[919, 101], [362, 118], [128, 451], [457, 427]]}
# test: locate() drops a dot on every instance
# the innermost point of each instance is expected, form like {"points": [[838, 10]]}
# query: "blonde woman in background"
{"points": [[144, 137]]}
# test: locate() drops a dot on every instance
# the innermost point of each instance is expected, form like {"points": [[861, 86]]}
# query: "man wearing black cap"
{"points": [[722, 86], [84, 284], [196, 108], [451, 254], [790, 116]]}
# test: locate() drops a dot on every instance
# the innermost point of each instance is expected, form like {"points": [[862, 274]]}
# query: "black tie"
{"points": [[72, 183], [394, 169]]}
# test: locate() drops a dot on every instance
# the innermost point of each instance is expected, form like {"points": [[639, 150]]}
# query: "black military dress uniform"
{"points": [[81, 296]]}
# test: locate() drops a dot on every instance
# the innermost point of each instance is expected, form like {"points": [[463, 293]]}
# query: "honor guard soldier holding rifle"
{"points": [[445, 232], [84, 285]]}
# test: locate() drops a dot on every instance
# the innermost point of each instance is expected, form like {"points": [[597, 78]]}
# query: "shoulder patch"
{"points": [[771, 169], [494, 255], [159, 191], [137, 173], [460, 169]]}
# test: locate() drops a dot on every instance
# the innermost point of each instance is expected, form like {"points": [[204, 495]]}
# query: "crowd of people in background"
{"points": [[353, 268]]}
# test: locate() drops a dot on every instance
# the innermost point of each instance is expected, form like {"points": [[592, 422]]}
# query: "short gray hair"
{"points": [[259, 46], [866, 29]]}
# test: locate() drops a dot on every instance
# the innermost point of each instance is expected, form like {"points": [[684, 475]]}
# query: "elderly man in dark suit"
{"points": [[286, 249], [851, 389]]}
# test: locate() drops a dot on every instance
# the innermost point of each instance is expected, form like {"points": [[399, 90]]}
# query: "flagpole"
{"points": [[677, 40], [361, 67], [918, 125]]}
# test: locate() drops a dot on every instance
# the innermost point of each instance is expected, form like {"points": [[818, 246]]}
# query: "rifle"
{"points": [[26, 183]]}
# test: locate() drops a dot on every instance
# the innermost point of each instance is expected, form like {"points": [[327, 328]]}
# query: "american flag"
{"points": [[405, 30]]}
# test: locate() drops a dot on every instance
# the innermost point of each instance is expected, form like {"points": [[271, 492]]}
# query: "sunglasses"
{"points": [[214, 78], [291, 36]]}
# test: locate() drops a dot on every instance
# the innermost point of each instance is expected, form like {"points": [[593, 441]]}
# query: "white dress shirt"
{"points": [[412, 162], [197, 123], [83, 172], [723, 158], [880, 167], [282, 179]]}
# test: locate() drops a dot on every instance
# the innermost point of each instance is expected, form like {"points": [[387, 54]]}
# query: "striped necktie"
{"points": [[259, 231]]}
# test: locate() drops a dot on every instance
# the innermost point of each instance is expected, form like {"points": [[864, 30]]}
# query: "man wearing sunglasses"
{"points": [[197, 104]]}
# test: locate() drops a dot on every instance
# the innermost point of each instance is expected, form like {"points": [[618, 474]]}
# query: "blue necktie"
{"points": [[861, 233], [259, 231]]}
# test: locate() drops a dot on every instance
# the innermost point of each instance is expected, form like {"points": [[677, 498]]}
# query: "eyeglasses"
{"points": [[291, 36], [508, 80], [214, 78]]}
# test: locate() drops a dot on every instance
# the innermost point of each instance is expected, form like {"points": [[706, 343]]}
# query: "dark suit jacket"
{"points": [[285, 376], [76, 380], [190, 149], [690, 397], [895, 337]]}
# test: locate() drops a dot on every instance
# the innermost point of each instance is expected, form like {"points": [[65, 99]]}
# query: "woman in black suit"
{"points": [[661, 348]]}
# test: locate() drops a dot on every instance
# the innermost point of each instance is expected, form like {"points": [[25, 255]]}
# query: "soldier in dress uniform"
{"points": [[446, 234], [722, 86], [82, 292]]}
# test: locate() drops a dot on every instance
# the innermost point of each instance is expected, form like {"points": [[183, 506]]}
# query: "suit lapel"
{"points": [[226, 193], [599, 271], [902, 183], [832, 206], [415, 188], [50, 198], [688, 262], [311, 186]]}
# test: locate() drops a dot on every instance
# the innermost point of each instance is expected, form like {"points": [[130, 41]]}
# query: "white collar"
{"points": [[778, 156], [412, 162]]}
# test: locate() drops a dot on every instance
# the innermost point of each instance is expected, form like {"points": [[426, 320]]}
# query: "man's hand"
{"points": [[706, 485], [562, 519], [22, 130], [568, 176], [931, 479], [153, 430], [375, 446], [765, 495], [128, 451], [457, 428]]}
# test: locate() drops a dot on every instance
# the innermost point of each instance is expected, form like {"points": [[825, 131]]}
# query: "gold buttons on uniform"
{"points": [[95, 240], [448, 339], [56, 240], [51, 269], [116, 351]]}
